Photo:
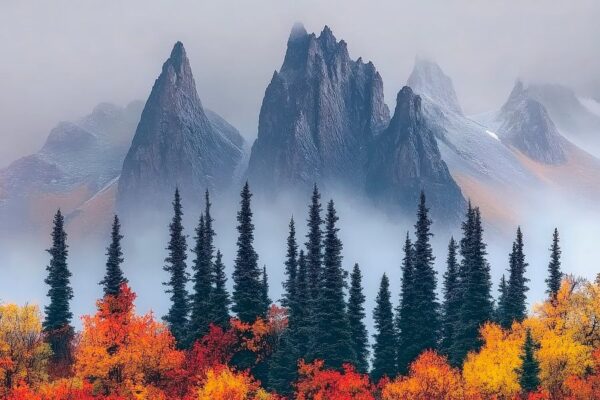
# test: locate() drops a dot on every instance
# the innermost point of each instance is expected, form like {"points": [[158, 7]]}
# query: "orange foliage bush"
{"points": [[315, 383]]}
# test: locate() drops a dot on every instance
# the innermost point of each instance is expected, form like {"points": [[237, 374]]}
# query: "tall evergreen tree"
{"points": [[314, 249], [57, 323], [530, 366], [331, 341], [474, 288], [219, 298], [114, 278], [554, 273], [301, 319], [451, 308], [516, 288], [405, 313], [356, 316], [265, 289], [202, 279], [291, 267], [384, 349], [502, 316], [177, 316], [248, 302]]}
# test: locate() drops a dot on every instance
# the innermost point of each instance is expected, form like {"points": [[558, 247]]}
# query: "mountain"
{"points": [[318, 117], [77, 160], [175, 144], [405, 159], [433, 84], [524, 123], [574, 119]]}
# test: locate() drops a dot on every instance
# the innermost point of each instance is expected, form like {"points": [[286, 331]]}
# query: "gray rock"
{"points": [[430, 82], [175, 144], [319, 115], [405, 159]]}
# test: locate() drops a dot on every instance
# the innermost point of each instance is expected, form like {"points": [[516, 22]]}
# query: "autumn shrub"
{"points": [[318, 383]]}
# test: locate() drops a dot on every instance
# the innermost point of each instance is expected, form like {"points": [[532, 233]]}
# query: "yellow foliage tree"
{"points": [[225, 384], [23, 353]]}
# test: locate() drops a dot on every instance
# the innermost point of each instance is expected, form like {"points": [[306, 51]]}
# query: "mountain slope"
{"points": [[175, 144]]}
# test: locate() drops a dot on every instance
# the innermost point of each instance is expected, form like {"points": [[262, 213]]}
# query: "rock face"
{"points": [[319, 115], [405, 159], [525, 123], [175, 143], [77, 160], [429, 81]]}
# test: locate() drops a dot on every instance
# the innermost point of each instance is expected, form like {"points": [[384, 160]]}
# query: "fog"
{"points": [[61, 58]]}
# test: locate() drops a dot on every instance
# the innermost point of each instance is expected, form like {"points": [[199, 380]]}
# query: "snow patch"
{"points": [[492, 134], [591, 104]]}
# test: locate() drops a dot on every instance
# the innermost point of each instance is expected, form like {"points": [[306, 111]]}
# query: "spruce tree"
{"points": [[530, 366], [554, 273], [331, 341], [177, 316], [265, 290], [219, 297], [301, 319], [405, 313], [502, 316], [202, 278], [474, 288], [314, 250], [356, 316], [291, 267], [57, 323], [427, 321], [248, 302], [451, 308], [384, 349], [516, 287], [114, 278]]}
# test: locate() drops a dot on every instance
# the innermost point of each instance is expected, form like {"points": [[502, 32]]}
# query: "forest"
{"points": [[445, 337]]}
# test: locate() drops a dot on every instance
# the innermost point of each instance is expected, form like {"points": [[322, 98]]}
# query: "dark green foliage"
{"points": [[516, 307], [502, 316], [331, 341], [177, 317], [384, 349], [114, 278], [474, 288], [219, 297], [202, 278], [451, 307], [314, 250], [57, 323], [265, 290], [554, 272], [405, 313], [248, 302], [300, 318], [356, 316], [530, 367], [291, 267]]}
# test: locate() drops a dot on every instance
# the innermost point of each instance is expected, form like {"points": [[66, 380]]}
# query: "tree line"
{"points": [[325, 310]]}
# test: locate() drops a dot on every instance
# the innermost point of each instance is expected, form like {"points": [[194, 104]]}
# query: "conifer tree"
{"points": [[291, 267], [202, 278], [451, 308], [384, 349], [114, 278], [219, 297], [331, 341], [502, 316], [301, 320], [57, 323], [516, 307], [248, 302], [405, 312], [265, 290], [314, 249], [356, 316], [554, 273], [177, 316], [474, 288], [530, 367]]}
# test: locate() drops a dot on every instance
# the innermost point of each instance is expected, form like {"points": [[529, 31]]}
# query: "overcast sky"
{"points": [[61, 58]]}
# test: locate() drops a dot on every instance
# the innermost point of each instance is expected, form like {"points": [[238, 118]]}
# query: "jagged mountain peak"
{"points": [[298, 32], [429, 80]]}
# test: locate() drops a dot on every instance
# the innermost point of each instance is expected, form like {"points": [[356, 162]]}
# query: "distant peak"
{"points": [[327, 37], [178, 55], [298, 32], [429, 80]]}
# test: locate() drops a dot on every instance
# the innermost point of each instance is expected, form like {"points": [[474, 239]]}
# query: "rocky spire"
{"points": [[319, 113], [175, 143], [405, 159]]}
